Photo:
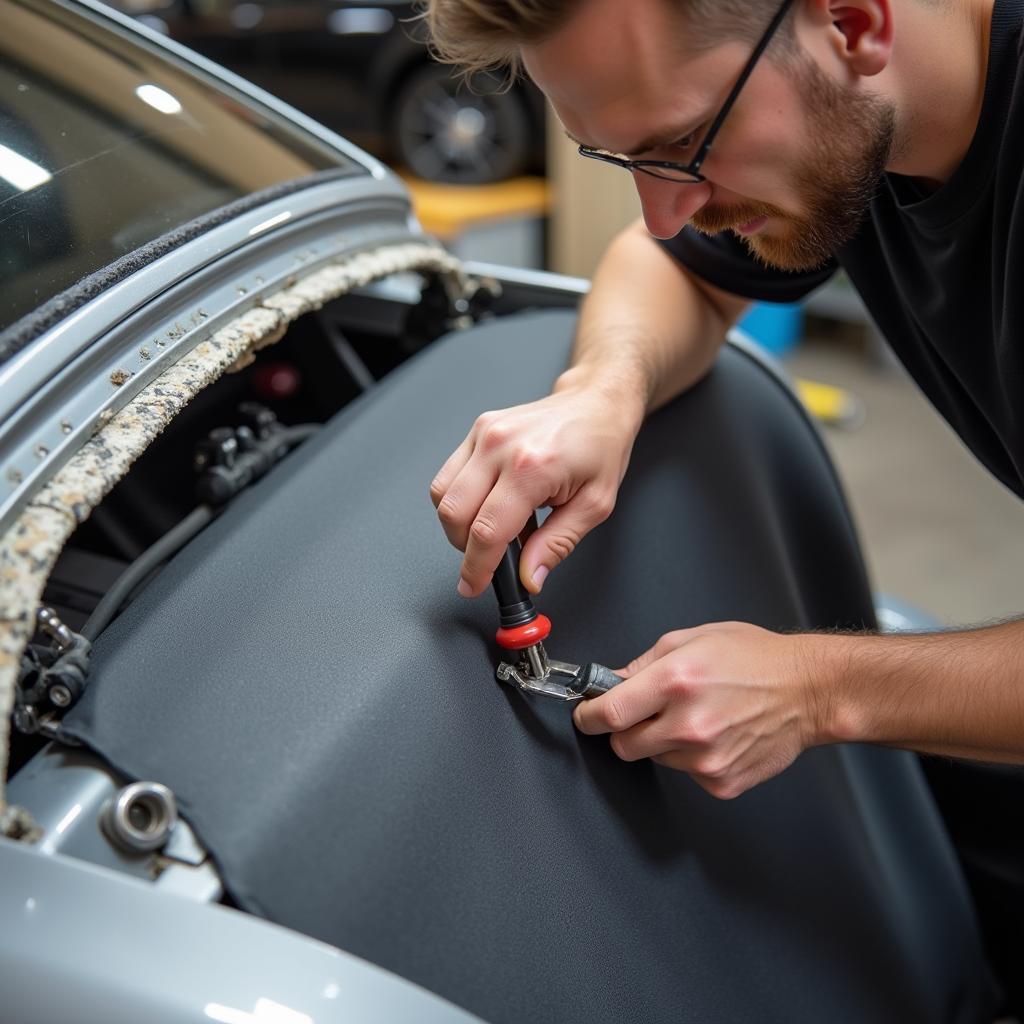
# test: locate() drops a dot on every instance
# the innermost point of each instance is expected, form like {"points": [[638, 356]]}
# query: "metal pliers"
{"points": [[523, 632]]}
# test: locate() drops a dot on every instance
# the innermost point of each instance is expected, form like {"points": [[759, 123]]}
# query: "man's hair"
{"points": [[485, 35]]}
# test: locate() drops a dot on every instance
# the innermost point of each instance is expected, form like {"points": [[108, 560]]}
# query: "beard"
{"points": [[853, 140]]}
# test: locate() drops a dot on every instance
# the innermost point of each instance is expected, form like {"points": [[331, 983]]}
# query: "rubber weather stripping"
{"points": [[29, 549]]}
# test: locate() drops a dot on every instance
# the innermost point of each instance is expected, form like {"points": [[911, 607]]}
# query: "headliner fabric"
{"points": [[306, 679]]}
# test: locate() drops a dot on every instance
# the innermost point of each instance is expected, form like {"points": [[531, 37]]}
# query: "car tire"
{"points": [[469, 134]]}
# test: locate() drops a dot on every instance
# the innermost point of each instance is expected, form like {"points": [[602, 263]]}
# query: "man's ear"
{"points": [[864, 33]]}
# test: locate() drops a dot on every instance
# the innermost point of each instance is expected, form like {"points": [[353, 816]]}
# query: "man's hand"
{"points": [[730, 703], [569, 450]]}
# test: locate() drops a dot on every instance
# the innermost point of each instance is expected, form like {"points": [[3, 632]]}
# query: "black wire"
{"points": [[299, 433], [171, 542], [166, 546]]}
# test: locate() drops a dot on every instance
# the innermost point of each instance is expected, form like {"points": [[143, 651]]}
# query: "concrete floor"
{"points": [[937, 530]]}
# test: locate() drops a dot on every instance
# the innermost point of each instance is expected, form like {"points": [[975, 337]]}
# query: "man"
{"points": [[769, 143], [847, 89]]}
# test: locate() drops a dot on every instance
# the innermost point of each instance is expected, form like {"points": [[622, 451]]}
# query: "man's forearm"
{"points": [[646, 331], [960, 694]]}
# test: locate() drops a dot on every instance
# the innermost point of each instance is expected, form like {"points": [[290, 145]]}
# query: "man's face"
{"points": [[791, 172]]}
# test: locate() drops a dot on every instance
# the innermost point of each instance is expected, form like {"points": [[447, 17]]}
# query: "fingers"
{"points": [[499, 520], [665, 736], [621, 708], [715, 701], [647, 690], [450, 470], [479, 512], [558, 451], [465, 500], [560, 533]]}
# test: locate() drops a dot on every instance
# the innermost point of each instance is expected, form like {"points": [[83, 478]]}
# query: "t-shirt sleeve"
{"points": [[724, 261]]}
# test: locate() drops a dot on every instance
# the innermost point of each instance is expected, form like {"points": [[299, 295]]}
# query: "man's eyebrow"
{"points": [[660, 138]]}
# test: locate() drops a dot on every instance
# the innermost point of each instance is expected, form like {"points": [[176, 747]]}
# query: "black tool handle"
{"points": [[515, 604], [595, 679]]}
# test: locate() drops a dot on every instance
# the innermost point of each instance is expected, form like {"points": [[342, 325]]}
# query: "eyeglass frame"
{"points": [[692, 168]]}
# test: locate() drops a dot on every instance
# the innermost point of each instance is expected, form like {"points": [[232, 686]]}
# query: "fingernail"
{"points": [[464, 589], [540, 575]]}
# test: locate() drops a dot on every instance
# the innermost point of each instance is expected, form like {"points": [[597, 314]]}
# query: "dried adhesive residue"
{"points": [[30, 548]]}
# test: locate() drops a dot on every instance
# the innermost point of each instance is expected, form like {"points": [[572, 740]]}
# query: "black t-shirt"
{"points": [[942, 275]]}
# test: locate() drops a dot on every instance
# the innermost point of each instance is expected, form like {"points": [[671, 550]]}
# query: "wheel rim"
{"points": [[449, 133]]}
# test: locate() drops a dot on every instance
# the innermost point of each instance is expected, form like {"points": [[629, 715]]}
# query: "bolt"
{"points": [[60, 696], [65, 427], [26, 720]]}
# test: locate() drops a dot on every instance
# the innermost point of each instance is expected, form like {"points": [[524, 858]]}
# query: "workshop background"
{"points": [[494, 176]]}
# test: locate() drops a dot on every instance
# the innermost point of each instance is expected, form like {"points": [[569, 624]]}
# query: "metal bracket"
{"points": [[556, 682], [52, 679], [536, 673]]}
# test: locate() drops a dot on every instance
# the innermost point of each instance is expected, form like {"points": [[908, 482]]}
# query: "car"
{"points": [[262, 767], [365, 70]]}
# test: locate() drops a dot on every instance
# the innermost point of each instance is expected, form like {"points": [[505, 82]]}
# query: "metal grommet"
{"points": [[140, 818]]}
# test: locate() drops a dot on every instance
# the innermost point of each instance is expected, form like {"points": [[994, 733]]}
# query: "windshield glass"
{"points": [[107, 144]]}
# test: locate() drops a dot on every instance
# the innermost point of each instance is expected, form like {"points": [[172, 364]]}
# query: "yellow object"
{"points": [[448, 210], [830, 404]]}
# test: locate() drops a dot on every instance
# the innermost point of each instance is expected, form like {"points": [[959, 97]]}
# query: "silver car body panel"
{"points": [[81, 943], [542, 280], [69, 792]]}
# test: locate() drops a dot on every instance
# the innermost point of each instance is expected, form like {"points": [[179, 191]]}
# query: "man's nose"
{"points": [[668, 205]]}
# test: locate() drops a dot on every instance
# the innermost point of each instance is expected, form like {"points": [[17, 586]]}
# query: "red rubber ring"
{"points": [[516, 638]]}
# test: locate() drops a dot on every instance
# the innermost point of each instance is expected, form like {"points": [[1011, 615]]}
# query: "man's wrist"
{"points": [[625, 392], [836, 702], [869, 687]]}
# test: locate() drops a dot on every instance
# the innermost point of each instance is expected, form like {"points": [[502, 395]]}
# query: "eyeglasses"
{"points": [[689, 173]]}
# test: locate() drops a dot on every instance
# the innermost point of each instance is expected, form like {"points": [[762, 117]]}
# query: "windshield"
{"points": [[107, 144]]}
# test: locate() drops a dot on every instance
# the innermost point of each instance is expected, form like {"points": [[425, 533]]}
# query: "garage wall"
{"points": [[591, 204]]}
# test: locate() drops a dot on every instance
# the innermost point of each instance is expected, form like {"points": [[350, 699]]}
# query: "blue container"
{"points": [[775, 326]]}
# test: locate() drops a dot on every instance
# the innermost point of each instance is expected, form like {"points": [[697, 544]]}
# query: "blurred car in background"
{"points": [[365, 71]]}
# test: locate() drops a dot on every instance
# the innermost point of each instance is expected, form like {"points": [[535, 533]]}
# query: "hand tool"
{"points": [[523, 631]]}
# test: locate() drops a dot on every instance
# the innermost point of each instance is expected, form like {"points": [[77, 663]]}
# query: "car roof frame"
{"points": [[75, 376]]}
